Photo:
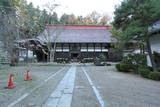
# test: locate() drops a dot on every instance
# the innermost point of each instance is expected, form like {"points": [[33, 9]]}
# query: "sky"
{"points": [[80, 7]]}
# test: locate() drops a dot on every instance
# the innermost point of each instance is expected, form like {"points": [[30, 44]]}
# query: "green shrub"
{"points": [[125, 67], [108, 64], [88, 60], [138, 59], [145, 67], [144, 72], [60, 60], [150, 68], [154, 75], [102, 57], [118, 67]]}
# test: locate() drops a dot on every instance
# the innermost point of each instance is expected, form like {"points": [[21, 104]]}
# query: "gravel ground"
{"points": [[117, 89], [124, 90], [83, 95], [38, 74]]}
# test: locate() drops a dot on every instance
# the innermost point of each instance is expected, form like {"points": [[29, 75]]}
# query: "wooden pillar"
{"points": [[62, 46], [87, 47], [101, 47], [62, 51], [43, 57], [69, 52], [69, 47], [80, 52], [94, 50]]}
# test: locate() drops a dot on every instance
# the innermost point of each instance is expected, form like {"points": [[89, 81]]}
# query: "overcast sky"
{"points": [[80, 7]]}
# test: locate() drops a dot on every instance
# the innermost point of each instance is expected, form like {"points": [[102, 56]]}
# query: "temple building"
{"points": [[70, 42]]}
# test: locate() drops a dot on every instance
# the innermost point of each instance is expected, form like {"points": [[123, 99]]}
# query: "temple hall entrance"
{"points": [[75, 57]]}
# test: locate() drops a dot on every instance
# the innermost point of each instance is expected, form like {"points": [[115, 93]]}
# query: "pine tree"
{"points": [[134, 17]]}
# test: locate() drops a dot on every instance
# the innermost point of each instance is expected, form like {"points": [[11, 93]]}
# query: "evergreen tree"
{"points": [[134, 17]]}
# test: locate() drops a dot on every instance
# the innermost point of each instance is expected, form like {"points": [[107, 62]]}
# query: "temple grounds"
{"points": [[93, 86]]}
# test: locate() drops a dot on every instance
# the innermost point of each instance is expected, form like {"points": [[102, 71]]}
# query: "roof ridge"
{"points": [[79, 26]]}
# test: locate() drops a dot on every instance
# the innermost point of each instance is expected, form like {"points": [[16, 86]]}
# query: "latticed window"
{"points": [[83, 47], [66, 48], [75, 47], [90, 47], [98, 47], [104, 48], [58, 48]]}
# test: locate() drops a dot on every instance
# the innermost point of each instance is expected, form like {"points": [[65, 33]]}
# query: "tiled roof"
{"points": [[76, 34], [154, 27]]}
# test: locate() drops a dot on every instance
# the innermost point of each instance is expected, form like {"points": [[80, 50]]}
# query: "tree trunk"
{"points": [[48, 56], [54, 50], [27, 54], [51, 56], [52, 53], [151, 55]]}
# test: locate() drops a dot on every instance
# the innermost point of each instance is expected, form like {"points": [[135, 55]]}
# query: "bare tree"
{"points": [[50, 36]]}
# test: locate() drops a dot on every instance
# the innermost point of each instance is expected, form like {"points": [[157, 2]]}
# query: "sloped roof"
{"points": [[76, 34], [154, 27]]}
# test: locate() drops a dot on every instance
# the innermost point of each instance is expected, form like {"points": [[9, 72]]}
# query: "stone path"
{"points": [[62, 95]]}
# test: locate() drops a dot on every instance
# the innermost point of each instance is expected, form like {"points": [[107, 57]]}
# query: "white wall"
{"points": [[155, 46], [23, 53], [155, 43]]}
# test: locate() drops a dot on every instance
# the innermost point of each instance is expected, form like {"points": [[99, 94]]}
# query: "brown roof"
{"points": [[76, 34]]}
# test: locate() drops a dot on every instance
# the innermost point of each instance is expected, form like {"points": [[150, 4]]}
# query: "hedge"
{"points": [[154, 75], [145, 67], [118, 67], [125, 67], [144, 72]]}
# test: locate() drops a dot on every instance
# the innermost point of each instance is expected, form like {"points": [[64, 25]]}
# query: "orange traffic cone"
{"points": [[28, 77], [10, 83]]}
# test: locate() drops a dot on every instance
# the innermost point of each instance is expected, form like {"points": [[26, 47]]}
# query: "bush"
{"points": [[144, 72], [118, 67], [138, 59], [102, 57], [88, 60], [145, 67], [125, 67], [60, 60], [150, 68], [108, 64], [154, 75]]}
